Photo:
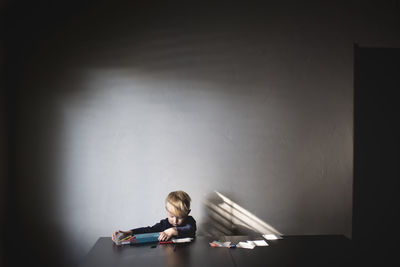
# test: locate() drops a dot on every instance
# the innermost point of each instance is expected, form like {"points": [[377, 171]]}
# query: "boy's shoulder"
{"points": [[190, 220]]}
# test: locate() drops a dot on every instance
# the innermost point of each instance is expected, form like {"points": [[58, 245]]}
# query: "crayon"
{"points": [[125, 238], [165, 242]]}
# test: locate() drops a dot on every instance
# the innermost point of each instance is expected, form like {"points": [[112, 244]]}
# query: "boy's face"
{"points": [[173, 219]]}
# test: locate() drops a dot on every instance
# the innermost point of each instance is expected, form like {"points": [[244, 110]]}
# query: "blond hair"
{"points": [[180, 200]]}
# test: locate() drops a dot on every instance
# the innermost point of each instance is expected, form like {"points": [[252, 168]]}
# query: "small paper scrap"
{"points": [[218, 244], [182, 240], [259, 243], [271, 237], [248, 245]]}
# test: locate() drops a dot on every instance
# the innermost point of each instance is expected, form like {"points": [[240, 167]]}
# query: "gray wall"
{"points": [[122, 104]]}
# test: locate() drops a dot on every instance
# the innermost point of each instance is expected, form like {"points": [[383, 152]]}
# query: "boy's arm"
{"points": [[187, 230], [149, 229]]}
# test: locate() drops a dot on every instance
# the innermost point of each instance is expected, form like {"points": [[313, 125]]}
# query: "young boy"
{"points": [[177, 224]]}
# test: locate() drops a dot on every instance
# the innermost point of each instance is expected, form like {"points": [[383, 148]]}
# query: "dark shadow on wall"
{"points": [[27, 234], [225, 217]]}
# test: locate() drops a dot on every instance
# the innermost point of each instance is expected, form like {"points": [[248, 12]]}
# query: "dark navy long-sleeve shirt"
{"points": [[186, 229]]}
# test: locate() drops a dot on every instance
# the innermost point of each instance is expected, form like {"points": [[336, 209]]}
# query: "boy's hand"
{"points": [[167, 234], [125, 233]]}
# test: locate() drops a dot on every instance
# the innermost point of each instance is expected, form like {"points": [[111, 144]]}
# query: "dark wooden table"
{"points": [[331, 250], [328, 250]]}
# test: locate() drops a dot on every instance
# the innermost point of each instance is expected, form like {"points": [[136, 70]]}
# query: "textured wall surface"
{"points": [[119, 105]]}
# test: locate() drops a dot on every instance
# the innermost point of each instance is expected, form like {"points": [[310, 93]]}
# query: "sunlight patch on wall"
{"points": [[125, 132], [229, 218]]}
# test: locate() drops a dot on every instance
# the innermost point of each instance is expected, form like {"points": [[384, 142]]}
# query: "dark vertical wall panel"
{"points": [[376, 152]]}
